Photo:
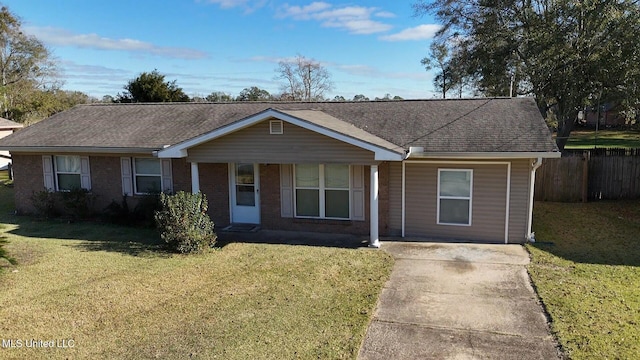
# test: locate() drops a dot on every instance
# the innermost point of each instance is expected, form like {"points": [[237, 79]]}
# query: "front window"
{"points": [[148, 175], [322, 191], [454, 196], [68, 172]]}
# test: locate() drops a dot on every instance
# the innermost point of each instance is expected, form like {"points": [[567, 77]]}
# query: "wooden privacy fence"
{"points": [[590, 175]]}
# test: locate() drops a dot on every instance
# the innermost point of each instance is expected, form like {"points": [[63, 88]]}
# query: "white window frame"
{"points": [[136, 174], [321, 189], [469, 198], [56, 172]]}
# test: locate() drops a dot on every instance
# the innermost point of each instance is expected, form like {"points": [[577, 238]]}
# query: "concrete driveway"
{"points": [[458, 301]]}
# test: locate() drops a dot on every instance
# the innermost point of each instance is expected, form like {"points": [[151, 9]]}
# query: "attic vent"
{"points": [[275, 127]]}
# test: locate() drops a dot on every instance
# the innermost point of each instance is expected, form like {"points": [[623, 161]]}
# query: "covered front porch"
{"points": [[298, 170], [336, 198]]}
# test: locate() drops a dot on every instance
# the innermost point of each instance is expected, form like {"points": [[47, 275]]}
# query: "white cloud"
{"points": [[385, 14], [420, 32], [248, 5], [355, 19], [62, 37]]}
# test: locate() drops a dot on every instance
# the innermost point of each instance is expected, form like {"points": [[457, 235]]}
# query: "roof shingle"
{"points": [[465, 125]]}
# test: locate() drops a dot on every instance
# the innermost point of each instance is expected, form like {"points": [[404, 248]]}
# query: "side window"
{"points": [[68, 172], [147, 175], [455, 187]]}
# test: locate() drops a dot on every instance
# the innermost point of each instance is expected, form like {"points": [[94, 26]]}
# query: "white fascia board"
{"points": [[77, 149], [180, 150], [483, 155]]}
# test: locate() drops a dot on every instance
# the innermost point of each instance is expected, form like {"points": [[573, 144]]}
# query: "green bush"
{"points": [[184, 224], [145, 210], [45, 203], [78, 202]]}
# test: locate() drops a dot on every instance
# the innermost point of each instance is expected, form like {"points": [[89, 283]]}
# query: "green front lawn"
{"points": [[586, 268], [117, 294], [587, 139]]}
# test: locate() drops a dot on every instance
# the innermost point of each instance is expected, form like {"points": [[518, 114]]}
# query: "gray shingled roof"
{"points": [[8, 124], [467, 125]]}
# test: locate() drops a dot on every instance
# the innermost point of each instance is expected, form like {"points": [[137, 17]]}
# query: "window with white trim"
{"points": [[455, 187], [68, 172], [147, 174], [322, 191]]}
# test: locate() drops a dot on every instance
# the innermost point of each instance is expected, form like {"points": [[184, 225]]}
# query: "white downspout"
{"points": [[531, 236]]}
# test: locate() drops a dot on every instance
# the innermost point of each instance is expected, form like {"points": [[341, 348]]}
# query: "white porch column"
{"points": [[374, 241], [195, 178]]}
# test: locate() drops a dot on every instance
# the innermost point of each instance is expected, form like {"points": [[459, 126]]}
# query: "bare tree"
{"points": [[304, 79]]}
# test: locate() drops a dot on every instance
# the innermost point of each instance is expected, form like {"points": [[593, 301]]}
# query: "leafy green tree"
{"points": [[32, 105], [151, 87], [387, 97], [360, 97], [25, 64], [219, 96], [568, 54], [339, 98], [253, 93]]}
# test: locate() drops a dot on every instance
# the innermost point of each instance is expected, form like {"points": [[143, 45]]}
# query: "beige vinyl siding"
{"points": [[520, 180], [296, 145], [395, 198], [488, 203]]}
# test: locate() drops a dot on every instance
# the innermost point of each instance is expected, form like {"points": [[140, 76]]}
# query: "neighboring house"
{"points": [[431, 169], [7, 127], [609, 116]]}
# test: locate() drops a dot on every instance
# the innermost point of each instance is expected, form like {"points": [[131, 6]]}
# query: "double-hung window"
{"points": [[147, 175], [322, 191], [68, 172], [455, 187]]}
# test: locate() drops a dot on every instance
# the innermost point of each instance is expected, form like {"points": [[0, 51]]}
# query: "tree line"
{"points": [[570, 55]]}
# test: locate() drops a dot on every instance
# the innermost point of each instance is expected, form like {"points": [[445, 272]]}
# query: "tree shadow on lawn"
{"points": [[606, 232], [589, 254], [95, 236]]}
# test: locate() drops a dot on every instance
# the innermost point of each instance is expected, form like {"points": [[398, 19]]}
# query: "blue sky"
{"points": [[369, 47]]}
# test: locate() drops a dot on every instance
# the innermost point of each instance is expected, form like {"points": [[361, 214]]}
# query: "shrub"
{"points": [[45, 203], [144, 212], [184, 224], [118, 213], [78, 202]]}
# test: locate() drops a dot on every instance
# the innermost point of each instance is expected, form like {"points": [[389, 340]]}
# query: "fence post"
{"points": [[585, 176]]}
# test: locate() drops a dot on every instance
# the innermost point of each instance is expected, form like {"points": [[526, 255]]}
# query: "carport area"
{"points": [[458, 301]]}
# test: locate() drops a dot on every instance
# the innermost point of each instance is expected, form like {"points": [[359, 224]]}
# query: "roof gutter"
{"points": [[78, 149], [531, 236], [416, 153]]}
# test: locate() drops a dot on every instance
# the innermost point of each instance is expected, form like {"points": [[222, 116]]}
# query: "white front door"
{"points": [[244, 193]]}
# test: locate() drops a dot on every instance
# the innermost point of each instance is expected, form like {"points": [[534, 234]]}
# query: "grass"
{"points": [[586, 268], [117, 294], [586, 139]]}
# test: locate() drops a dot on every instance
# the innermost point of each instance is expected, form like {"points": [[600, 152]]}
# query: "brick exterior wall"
{"points": [[28, 177], [214, 183], [181, 172], [106, 183]]}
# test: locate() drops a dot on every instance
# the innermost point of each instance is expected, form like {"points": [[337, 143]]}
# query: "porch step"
{"points": [[244, 228]]}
